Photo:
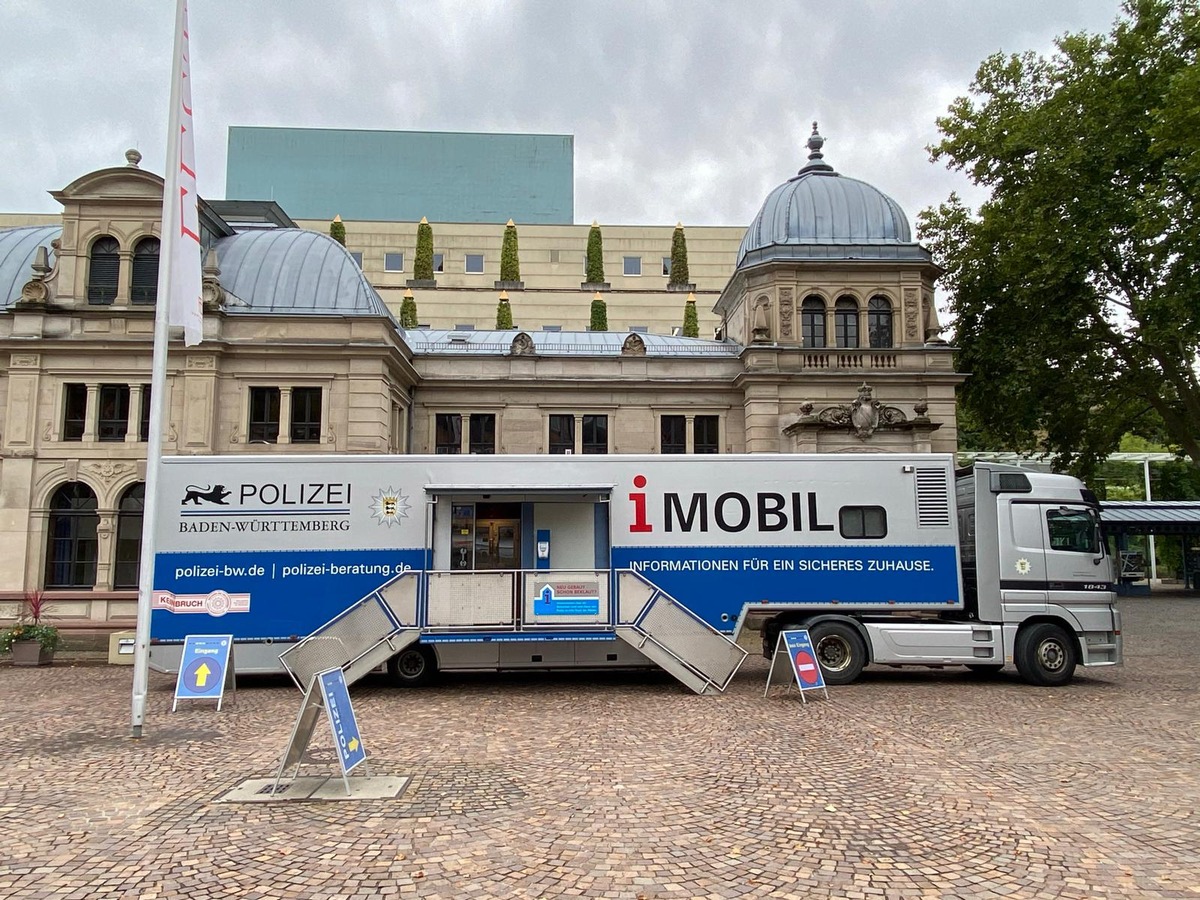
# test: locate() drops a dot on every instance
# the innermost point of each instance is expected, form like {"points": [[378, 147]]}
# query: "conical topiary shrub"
{"points": [[691, 324], [679, 265], [408, 310], [337, 230], [503, 313], [510, 262], [599, 314], [423, 263], [594, 269]]}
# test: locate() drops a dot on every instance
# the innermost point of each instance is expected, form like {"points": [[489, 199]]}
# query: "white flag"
{"points": [[181, 220]]}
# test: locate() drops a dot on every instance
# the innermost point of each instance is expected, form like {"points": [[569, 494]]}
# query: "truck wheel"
{"points": [[840, 650], [1046, 655], [413, 666]]}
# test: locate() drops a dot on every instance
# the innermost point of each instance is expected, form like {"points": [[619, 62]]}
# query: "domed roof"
{"points": [[287, 270], [18, 247], [819, 214]]}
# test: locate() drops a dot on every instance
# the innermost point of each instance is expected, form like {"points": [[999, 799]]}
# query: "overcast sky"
{"points": [[689, 110]]}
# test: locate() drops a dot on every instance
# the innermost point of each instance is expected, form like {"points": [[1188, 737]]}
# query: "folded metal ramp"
{"points": [[674, 637], [362, 637]]}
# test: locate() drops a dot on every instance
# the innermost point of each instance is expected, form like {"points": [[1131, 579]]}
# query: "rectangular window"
{"points": [[551, 328], [74, 411], [640, 329], [144, 424], [554, 256], [595, 434], [264, 415], [439, 262], [465, 326], [562, 434], [449, 433], [632, 265], [863, 521], [483, 433], [357, 257], [306, 415], [673, 434], [112, 423], [474, 264], [393, 262], [666, 265], [1073, 530], [707, 438]]}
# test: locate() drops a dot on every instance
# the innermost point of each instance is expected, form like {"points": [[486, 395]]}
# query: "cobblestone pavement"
{"points": [[920, 783]]}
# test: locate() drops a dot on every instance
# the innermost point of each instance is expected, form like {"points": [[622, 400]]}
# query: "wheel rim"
{"points": [[834, 653], [1052, 655], [410, 664]]}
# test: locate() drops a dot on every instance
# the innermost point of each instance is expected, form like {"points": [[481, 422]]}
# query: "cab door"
{"points": [[1077, 566], [1022, 559]]}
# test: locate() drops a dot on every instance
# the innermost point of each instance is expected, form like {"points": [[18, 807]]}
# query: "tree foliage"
{"points": [[1076, 285], [510, 262], [594, 270], [408, 311], [423, 263], [503, 314], [679, 266], [599, 314], [337, 230], [691, 323]]}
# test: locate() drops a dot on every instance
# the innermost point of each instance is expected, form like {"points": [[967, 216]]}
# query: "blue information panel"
{"points": [[803, 659], [204, 668], [336, 695]]}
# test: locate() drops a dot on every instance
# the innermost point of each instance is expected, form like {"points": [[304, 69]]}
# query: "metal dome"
{"points": [[18, 247], [819, 214], [286, 270]]}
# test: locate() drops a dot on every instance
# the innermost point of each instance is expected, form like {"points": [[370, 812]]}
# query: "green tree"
{"points": [[595, 257], [408, 310], [1076, 285], [510, 262], [503, 313], [691, 324], [423, 263], [337, 230], [679, 266], [599, 314]]}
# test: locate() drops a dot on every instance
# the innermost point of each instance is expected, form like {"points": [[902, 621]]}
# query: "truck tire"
{"points": [[840, 650], [413, 666], [1046, 654]]}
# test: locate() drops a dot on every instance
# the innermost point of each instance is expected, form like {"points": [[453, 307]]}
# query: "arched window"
{"points": [[71, 542], [812, 321], [103, 267], [144, 287], [845, 322], [129, 537], [879, 322]]}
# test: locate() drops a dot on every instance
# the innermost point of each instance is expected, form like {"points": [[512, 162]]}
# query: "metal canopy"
{"points": [[1151, 517]]}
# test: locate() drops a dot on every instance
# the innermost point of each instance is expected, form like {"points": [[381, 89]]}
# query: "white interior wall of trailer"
{"points": [[572, 528]]}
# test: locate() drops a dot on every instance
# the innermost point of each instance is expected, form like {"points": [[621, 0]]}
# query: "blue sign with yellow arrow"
{"points": [[204, 668], [346, 738]]}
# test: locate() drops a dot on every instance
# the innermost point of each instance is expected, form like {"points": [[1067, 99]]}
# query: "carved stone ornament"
{"points": [[633, 346], [761, 325], [24, 361], [107, 470], [212, 294], [522, 345], [201, 362], [865, 415], [785, 312], [37, 288], [910, 314]]}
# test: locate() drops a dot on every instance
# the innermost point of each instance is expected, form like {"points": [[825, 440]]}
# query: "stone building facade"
{"points": [[821, 337]]}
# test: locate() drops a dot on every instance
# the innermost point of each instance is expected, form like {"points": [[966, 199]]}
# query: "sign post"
{"points": [[206, 667], [797, 647], [327, 689]]}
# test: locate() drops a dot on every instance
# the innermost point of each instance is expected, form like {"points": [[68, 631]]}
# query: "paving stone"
{"points": [[912, 784]]}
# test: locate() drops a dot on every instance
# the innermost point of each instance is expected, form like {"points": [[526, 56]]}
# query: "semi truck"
{"points": [[423, 564]]}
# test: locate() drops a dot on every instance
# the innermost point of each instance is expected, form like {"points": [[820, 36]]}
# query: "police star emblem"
{"points": [[389, 506], [1023, 566]]}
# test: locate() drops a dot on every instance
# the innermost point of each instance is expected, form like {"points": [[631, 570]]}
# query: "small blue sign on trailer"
{"points": [[205, 668], [346, 738]]}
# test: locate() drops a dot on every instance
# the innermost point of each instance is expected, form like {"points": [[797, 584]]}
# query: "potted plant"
{"points": [[594, 261], [31, 641], [510, 262]]}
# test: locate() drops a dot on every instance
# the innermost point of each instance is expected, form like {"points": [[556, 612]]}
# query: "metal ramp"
{"points": [[674, 637], [361, 638]]}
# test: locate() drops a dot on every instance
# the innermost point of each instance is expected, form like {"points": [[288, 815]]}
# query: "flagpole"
{"points": [[158, 382]]}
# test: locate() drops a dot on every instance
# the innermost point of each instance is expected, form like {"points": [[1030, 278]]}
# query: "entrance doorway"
{"points": [[493, 531]]}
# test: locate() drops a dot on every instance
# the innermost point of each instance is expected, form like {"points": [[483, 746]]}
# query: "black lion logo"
{"points": [[215, 494]]}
